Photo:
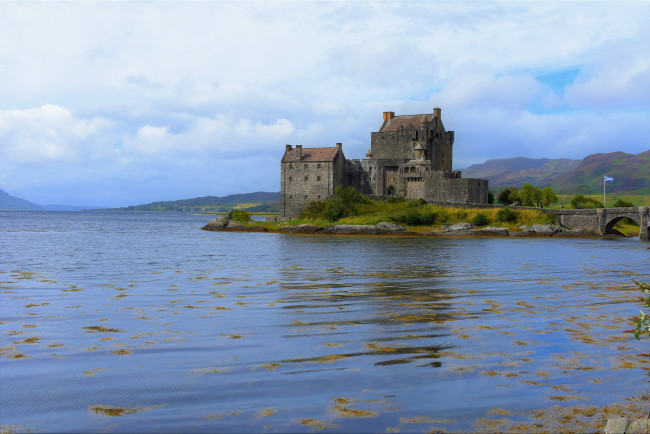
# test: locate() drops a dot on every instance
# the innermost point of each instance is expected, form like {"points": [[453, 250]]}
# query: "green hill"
{"points": [[9, 202], [631, 172], [254, 202]]}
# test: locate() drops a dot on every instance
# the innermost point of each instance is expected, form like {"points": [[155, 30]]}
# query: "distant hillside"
{"points": [[8, 202], [631, 172], [254, 202]]}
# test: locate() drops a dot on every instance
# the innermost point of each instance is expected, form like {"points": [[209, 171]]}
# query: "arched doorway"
{"points": [[390, 191]]}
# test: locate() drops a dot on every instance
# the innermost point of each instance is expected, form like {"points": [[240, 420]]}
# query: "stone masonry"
{"points": [[410, 157]]}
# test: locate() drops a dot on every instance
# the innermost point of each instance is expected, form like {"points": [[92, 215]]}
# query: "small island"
{"points": [[349, 213]]}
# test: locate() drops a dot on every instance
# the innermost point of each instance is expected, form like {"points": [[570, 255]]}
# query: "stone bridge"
{"points": [[602, 220]]}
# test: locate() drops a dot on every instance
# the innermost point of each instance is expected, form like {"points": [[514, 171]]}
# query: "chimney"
{"points": [[339, 146], [288, 148], [299, 149], [389, 115], [436, 113]]}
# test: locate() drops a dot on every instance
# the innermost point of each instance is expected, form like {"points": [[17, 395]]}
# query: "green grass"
{"points": [[435, 216], [636, 199]]}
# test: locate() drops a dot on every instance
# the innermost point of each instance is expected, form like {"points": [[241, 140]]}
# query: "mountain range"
{"points": [[631, 173]]}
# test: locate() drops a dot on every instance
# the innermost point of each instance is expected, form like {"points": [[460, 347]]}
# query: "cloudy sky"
{"points": [[118, 103]]}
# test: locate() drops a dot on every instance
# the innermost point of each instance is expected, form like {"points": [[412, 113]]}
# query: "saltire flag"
{"points": [[608, 179]]}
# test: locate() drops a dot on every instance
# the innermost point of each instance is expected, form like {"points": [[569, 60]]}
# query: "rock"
{"points": [[217, 224], [502, 232], [348, 229], [459, 227], [638, 426], [616, 426], [546, 229], [234, 224], [299, 229], [389, 227]]}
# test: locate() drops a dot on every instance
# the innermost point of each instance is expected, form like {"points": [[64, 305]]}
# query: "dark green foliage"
{"points": [[394, 199], [507, 215], [622, 203], [342, 204], [490, 197], [579, 201], [548, 196], [414, 217], [416, 203], [313, 211], [240, 215], [530, 195], [335, 209], [504, 196], [480, 219]]}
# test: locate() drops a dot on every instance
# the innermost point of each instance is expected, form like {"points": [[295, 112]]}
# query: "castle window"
{"points": [[306, 166], [290, 166], [318, 178], [290, 197], [319, 197], [305, 196], [290, 178], [306, 178], [318, 166]]}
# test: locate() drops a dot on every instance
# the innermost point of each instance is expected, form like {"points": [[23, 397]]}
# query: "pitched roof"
{"points": [[310, 154], [404, 121]]}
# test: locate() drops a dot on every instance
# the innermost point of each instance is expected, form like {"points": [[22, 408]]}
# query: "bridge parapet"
{"points": [[602, 220]]}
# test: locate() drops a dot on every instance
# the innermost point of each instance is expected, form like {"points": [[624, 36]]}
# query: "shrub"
{"points": [[342, 204], [413, 217], [580, 201], [507, 215], [313, 211], [416, 203], [480, 219], [395, 199], [334, 209], [490, 197], [240, 216], [620, 203]]}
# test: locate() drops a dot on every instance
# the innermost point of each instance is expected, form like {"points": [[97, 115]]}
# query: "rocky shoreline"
{"points": [[225, 223]]}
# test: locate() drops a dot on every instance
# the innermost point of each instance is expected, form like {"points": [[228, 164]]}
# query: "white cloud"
{"points": [[46, 134]]}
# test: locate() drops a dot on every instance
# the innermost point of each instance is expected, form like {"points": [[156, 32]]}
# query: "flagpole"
{"points": [[604, 206]]}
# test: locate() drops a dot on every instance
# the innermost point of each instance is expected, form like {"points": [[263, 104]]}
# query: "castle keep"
{"points": [[410, 156]]}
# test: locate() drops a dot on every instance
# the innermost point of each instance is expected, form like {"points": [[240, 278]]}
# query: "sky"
{"points": [[123, 103]]}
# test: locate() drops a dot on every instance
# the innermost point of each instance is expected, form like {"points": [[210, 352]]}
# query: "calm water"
{"points": [[125, 322]]}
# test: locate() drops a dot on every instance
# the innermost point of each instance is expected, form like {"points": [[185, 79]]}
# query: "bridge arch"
{"points": [[613, 220], [610, 216]]}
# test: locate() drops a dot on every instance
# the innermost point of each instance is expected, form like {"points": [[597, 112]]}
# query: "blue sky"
{"points": [[118, 103]]}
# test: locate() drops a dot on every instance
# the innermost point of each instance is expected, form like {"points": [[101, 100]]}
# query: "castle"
{"points": [[410, 157]]}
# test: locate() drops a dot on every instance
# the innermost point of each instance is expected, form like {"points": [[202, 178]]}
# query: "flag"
{"points": [[607, 179]]}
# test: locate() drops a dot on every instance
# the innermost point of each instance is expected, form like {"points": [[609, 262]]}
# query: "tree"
{"points": [[490, 197], [548, 196], [530, 195], [513, 196], [504, 196]]}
